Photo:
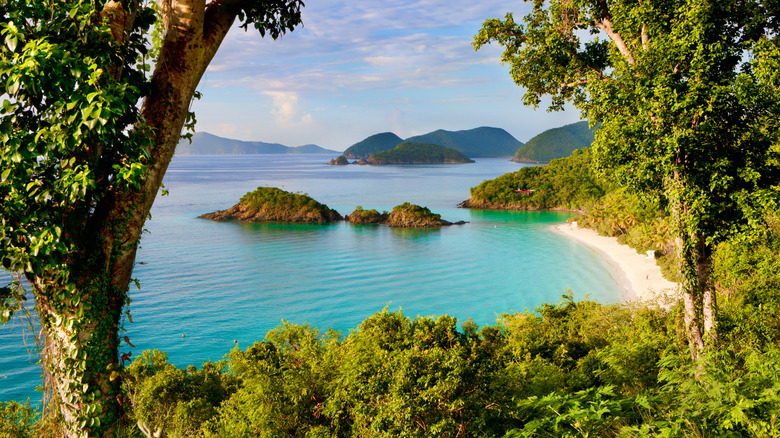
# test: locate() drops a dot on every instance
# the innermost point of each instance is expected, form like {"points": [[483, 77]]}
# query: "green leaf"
{"points": [[10, 42]]}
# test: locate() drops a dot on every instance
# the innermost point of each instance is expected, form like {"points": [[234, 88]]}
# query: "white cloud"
{"points": [[357, 68], [387, 44], [285, 104]]}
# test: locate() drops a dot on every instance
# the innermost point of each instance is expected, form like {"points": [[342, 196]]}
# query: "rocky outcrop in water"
{"points": [[269, 204], [339, 161], [364, 217], [409, 215]]}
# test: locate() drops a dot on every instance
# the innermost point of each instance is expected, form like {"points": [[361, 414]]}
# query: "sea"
{"points": [[207, 287]]}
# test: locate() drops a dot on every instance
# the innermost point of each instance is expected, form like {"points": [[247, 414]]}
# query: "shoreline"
{"points": [[637, 275]]}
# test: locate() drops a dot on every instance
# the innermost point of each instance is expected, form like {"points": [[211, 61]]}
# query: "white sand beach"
{"points": [[637, 274]]}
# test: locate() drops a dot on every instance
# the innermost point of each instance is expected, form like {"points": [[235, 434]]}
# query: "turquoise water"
{"points": [[217, 283]]}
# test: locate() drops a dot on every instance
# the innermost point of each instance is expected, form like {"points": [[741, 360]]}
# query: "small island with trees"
{"points": [[419, 153], [405, 215], [410, 153], [269, 204], [365, 217]]}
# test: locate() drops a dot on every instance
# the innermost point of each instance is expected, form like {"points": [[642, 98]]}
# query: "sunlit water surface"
{"points": [[206, 285]]}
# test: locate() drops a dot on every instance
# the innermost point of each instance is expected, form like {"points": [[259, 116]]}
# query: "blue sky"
{"points": [[357, 68]]}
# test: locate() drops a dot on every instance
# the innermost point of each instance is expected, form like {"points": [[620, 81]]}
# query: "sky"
{"points": [[358, 68]]}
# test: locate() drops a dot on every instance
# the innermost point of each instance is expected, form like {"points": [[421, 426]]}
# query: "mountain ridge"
{"points": [[484, 141], [204, 143]]}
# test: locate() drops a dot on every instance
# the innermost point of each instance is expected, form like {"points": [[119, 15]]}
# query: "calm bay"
{"points": [[206, 286]]}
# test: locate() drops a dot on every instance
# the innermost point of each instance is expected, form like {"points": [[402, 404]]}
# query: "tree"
{"points": [[688, 94], [87, 137]]}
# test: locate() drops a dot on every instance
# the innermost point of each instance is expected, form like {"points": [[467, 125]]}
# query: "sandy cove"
{"points": [[638, 275]]}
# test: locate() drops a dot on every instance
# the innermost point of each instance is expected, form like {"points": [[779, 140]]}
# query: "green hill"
{"points": [[419, 153], [376, 143], [310, 149], [204, 143], [566, 183], [555, 143], [474, 143]]}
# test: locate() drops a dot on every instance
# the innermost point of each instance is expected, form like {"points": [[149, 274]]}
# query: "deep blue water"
{"points": [[217, 283]]}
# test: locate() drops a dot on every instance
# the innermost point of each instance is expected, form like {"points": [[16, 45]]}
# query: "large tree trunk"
{"points": [[80, 357], [693, 266]]}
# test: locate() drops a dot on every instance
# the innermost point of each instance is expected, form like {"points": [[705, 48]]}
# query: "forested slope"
{"points": [[419, 153], [555, 143], [375, 143], [567, 184]]}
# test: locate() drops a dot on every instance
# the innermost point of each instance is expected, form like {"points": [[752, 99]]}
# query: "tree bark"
{"points": [[82, 335], [79, 356], [687, 264], [709, 308]]}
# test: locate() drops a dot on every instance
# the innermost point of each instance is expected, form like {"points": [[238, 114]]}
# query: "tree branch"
{"points": [[575, 83], [120, 18], [606, 25]]}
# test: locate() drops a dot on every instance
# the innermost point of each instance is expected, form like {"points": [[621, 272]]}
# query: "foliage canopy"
{"points": [[688, 97]]}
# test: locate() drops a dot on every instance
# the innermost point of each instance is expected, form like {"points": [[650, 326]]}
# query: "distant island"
{"points": [[204, 143], [370, 145], [555, 143], [419, 153], [269, 204], [480, 142]]}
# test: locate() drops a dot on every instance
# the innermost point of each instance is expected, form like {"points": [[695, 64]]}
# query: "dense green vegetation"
{"points": [[18, 420], [375, 143], [566, 183], [687, 94], [555, 143], [203, 143], [477, 142], [361, 216], [271, 198], [474, 143], [567, 369], [418, 153], [416, 211]]}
